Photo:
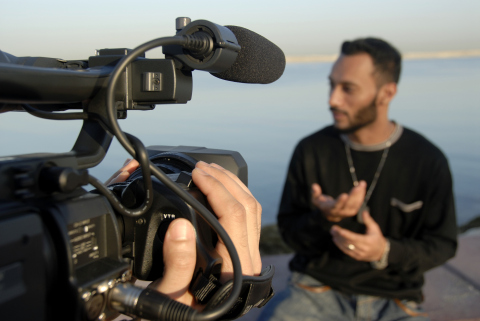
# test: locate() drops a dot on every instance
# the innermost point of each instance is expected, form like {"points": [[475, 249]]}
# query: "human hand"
{"points": [[240, 215], [346, 205], [123, 173], [238, 212], [366, 247]]}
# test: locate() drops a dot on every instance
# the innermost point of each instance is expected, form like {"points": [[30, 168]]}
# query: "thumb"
{"points": [[370, 223], [179, 256], [316, 190]]}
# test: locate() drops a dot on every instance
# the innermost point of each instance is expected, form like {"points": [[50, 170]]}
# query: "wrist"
{"points": [[383, 261]]}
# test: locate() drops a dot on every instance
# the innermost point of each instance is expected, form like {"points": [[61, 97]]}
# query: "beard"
{"points": [[363, 117]]}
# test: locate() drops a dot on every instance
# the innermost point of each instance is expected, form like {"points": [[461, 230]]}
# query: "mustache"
{"points": [[335, 109]]}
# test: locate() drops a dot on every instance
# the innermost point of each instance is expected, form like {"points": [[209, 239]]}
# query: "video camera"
{"points": [[72, 254]]}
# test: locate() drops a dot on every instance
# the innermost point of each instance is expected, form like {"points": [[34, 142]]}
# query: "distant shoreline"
{"points": [[406, 56]]}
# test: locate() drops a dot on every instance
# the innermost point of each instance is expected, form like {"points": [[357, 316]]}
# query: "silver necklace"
{"points": [[375, 177]]}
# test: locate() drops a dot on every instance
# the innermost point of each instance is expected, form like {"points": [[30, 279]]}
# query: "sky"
{"points": [[75, 29]]}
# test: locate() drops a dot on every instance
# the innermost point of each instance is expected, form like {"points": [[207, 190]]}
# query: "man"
{"points": [[367, 204]]}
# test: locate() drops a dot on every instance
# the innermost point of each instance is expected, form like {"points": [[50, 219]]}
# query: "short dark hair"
{"points": [[386, 58]]}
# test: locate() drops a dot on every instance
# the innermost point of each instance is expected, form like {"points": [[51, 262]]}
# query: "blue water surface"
{"points": [[438, 98]]}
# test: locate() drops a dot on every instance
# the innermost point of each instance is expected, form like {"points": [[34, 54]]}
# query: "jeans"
{"points": [[307, 299]]}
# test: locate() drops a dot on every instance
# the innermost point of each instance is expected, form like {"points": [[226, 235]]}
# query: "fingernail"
{"points": [[201, 163], [178, 231], [127, 161]]}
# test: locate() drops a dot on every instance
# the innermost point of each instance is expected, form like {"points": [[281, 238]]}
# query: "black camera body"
{"points": [[65, 248], [62, 252], [72, 254], [143, 236], [59, 251]]}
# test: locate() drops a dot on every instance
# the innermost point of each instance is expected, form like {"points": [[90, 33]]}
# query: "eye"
{"points": [[332, 85], [347, 89]]}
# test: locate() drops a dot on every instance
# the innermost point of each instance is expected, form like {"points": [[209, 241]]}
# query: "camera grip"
{"points": [[256, 292]]}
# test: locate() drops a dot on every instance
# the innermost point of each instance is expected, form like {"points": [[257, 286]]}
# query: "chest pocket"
{"points": [[406, 208], [403, 217]]}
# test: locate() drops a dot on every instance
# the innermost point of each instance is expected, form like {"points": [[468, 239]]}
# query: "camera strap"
{"points": [[256, 292]]}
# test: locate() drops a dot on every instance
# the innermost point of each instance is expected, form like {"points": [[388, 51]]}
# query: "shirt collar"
{"points": [[397, 132]]}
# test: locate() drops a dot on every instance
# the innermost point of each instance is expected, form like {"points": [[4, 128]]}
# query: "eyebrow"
{"points": [[343, 82]]}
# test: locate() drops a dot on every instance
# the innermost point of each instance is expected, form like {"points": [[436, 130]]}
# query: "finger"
{"points": [[346, 236], [113, 177], [227, 172], [131, 165], [323, 202], [179, 255], [231, 215], [121, 177], [340, 204], [231, 185], [235, 186], [316, 197], [370, 224], [356, 198], [316, 190], [128, 167], [250, 255], [256, 206], [344, 248], [326, 204], [253, 208]]}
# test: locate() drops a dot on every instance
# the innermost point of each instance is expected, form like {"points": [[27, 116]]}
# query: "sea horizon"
{"points": [[414, 55]]}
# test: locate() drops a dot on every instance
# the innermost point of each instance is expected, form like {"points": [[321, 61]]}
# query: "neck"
{"points": [[373, 134]]}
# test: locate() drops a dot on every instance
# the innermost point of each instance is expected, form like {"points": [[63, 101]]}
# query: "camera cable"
{"points": [[222, 309], [142, 157]]}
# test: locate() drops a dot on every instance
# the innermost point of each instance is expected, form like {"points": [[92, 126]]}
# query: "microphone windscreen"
{"points": [[259, 61]]}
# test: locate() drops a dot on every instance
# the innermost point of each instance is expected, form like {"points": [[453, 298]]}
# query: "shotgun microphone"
{"points": [[228, 52], [259, 61]]}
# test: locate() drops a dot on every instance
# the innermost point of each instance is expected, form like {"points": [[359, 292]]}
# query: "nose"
{"points": [[335, 99]]}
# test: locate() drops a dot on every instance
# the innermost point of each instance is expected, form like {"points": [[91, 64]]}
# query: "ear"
{"points": [[386, 93]]}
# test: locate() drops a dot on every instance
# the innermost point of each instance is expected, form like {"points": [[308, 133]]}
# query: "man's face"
{"points": [[353, 92]]}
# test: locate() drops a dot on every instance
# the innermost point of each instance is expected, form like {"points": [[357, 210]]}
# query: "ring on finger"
{"points": [[351, 247]]}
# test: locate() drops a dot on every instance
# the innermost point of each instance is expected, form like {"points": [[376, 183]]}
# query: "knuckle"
{"points": [[259, 207], [237, 211], [251, 204]]}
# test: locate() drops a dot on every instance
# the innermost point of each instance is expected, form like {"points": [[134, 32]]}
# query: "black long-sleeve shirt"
{"points": [[415, 172]]}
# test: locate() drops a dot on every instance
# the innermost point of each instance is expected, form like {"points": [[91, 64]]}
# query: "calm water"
{"points": [[438, 98]]}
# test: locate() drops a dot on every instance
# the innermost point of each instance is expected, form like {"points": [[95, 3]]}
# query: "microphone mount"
{"points": [[199, 45], [210, 47]]}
